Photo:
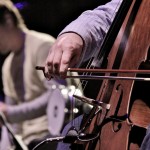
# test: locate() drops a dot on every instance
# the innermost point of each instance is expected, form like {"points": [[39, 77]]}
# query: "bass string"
{"points": [[92, 63]]}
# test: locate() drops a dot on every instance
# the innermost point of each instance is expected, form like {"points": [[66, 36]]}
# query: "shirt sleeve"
{"points": [[92, 26]]}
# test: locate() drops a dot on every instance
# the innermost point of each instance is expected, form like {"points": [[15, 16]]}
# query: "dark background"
{"points": [[51, 16]]}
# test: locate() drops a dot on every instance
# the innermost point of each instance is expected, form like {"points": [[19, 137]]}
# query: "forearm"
{"points": [[28, 110], [93, 25]]}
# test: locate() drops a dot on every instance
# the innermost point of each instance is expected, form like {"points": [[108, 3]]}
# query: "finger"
{"points": [[47, 73], [56, 61], [65, 61], [48, 66], [49, 62]]}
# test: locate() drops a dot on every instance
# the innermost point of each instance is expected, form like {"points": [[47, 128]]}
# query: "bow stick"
{"points": [[97, 77]]}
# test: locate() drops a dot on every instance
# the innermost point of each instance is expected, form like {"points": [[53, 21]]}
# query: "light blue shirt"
{"points": [[92, 26]]}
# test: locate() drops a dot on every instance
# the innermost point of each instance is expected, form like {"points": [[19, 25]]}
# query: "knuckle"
{"points": [[49, 63]]}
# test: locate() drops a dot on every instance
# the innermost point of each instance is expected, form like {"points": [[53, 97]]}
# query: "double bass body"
{"points": [[129, 112]]}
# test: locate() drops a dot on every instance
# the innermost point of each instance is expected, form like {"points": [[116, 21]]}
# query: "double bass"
{"points": [[123, 124], [124, 114]]}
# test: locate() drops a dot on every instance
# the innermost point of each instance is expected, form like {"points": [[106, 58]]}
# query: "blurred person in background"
{"points": [[27, 93]]}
